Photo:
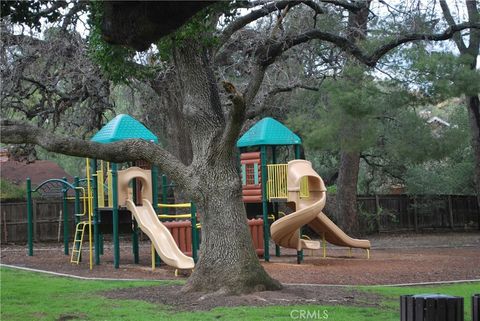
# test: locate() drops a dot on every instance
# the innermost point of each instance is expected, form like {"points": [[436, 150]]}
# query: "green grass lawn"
{"points": [[34, 296]]}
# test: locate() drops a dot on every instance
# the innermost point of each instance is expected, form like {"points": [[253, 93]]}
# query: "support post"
{"points": [[377, 212], [65, 218], [116, 238], [275, 205], [96, 230], [155, 198], [266, 228], [193, 212], [135, 226], [155, 188], [29, 217]]}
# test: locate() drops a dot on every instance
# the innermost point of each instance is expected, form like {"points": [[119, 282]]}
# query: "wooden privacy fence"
{"points": [[47, 220], [396, 213], [379, 213]]}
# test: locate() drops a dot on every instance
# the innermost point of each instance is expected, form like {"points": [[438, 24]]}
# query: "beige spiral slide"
{"points": [[160, 236], [285, 231]]}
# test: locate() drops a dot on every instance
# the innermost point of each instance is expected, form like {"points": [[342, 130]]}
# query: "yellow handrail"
{"points": [[277, 181], [174, 216], [90, 214], [109, 185], [84, 201], [100, 186], [180, 205]]}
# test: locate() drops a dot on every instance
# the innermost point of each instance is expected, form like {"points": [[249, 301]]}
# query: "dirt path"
{"points": [[394, 259]]}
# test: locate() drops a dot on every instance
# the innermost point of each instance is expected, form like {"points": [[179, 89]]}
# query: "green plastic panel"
{"points": [[123, 127], [268, 131]]}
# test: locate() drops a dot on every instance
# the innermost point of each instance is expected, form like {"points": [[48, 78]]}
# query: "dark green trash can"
{"points": [[476, 307], [431, 307]]}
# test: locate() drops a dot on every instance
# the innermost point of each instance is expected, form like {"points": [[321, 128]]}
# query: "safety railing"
{"points": [[277, 181], [304, 192]]}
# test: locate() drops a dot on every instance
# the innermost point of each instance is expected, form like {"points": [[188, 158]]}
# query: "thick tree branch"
{"points": [[18, 132], [270, 52], [473, 16], [352, 6], [451, 22], [235, 118], [242, 21], [252, 113]]}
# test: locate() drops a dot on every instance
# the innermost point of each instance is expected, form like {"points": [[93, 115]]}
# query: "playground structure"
{"points": [[121, 201], [110, 200], [296, 184]]}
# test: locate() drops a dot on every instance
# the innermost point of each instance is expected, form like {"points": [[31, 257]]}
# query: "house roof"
{"points": [[438, 120], [268, 131], [123, 127], [38, 171]]}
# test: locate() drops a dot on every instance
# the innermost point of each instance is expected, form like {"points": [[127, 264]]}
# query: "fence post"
{"points": [[377, 212], [450, 211], [415, 213]]}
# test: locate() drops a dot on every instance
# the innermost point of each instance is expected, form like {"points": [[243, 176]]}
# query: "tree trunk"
{"points": [[228, 262], [346, 198], [469, 54], [473, 105], [346, 207]]}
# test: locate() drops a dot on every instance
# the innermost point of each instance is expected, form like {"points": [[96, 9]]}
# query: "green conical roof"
{"points": [[123, 127], [268, 131]]}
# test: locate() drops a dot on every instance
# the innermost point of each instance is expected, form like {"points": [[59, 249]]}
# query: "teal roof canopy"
{"points": [[123, 127], [268, 131]]}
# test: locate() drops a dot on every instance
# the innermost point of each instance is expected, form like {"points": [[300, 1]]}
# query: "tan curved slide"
{"points": [[160, 236], [285, 231]]}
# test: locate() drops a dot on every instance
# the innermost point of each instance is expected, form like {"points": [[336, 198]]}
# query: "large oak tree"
{"points": [[212, 112]]}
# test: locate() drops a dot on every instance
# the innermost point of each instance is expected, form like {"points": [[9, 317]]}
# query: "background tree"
{"points": [[212, 114]]}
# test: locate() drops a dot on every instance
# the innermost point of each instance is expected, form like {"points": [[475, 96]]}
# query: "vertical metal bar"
{"points": [[195, 241], [297, 156], [66, 234], [164, 193], [297, 151], [116, 238], [266, 228], [275, 205], [29, 217], [95, 192], [155, 197], [155, 187], [76, 183]]}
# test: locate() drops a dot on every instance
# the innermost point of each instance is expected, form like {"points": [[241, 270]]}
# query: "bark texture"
{"points": [[228, 262], [470, 53], [346, 201]]}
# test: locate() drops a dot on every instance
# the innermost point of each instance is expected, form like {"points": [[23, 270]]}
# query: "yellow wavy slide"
{"points": [[285, 231], [160, 236]]}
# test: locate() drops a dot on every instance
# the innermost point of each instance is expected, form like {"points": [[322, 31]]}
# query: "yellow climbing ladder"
{"points": [[77, 243]]}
